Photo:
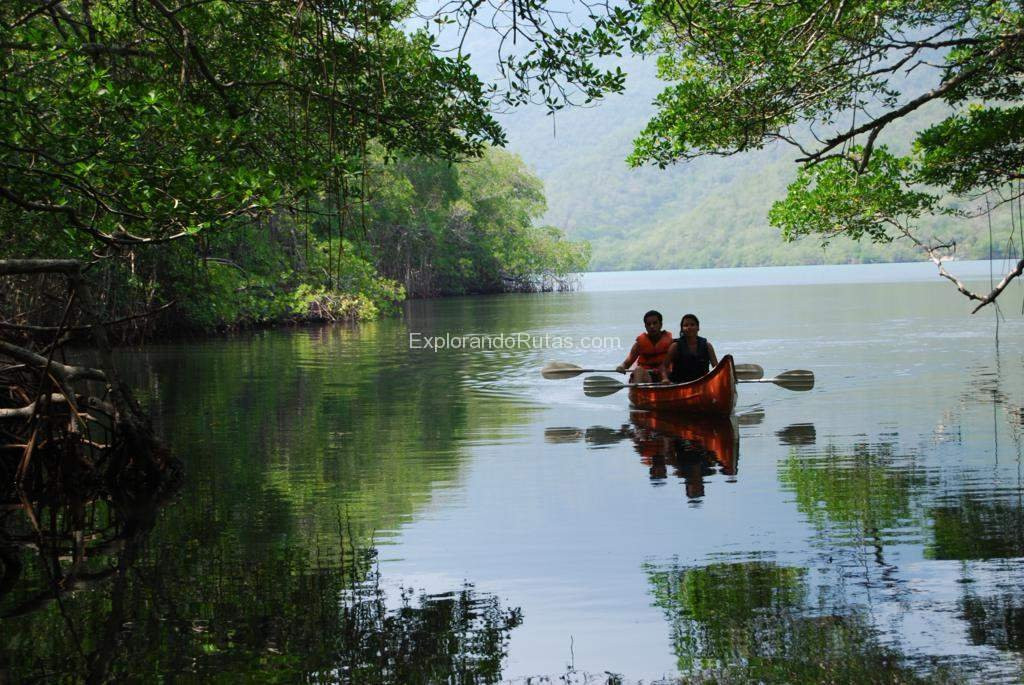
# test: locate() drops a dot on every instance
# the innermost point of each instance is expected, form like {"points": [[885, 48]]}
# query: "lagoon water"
{"points": [[869, 529]]}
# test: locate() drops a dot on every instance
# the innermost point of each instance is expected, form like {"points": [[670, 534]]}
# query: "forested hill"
{"points": [[707, 213]]}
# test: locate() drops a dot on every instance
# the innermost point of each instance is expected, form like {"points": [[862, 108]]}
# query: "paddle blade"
{"points": [[601, 386], [601, 392], [797, 379], [560, 370], [748, 372]]}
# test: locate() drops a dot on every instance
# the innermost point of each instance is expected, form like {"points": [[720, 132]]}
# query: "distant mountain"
{"points": [[708, 213]]}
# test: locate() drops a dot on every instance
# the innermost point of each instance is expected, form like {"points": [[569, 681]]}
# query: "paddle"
{"points": [[797, 379], [562, 370], [601, 386]]}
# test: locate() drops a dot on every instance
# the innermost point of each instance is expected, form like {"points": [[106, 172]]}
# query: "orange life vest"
{"points": [[652, 354]]}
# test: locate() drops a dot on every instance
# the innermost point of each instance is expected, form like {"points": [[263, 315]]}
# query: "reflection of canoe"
{"points": [[716, 434], [713, 393]]}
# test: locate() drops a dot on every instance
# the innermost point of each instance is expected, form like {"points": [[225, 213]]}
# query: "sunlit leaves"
{"points": [[140, 132], [974, 150], [827, 76], [469, 227], [837, 197]]}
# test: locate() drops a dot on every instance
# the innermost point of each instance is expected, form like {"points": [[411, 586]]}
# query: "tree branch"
{"points": [[68, 373], [200, 61], [55, 398], [14, 267], [991, 297], [53, 329], [942, 89]]}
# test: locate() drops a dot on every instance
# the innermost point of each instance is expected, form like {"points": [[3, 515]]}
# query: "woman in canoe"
{"points": [[648, 352], [690, 356]]}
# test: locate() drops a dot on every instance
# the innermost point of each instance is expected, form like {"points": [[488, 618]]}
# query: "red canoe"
{"points": [[713, 393]]}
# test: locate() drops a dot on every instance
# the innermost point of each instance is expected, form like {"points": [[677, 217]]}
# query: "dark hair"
{"points": [[654, 313], [689, 316]]}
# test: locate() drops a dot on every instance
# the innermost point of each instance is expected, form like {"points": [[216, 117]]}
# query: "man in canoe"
{"points": [[648, 352], [689, 356]]}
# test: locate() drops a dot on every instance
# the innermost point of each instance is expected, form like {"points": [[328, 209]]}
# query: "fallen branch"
{"points": [[66, 372], [56, 398]]}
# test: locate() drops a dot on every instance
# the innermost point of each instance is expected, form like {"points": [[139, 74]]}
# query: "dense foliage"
{"points": [[188, 149], [826, 78], [443, 229], [138, 122]]}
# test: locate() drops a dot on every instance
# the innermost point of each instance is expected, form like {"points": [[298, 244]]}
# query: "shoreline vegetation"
{"points": [[421, 228], [426, 229]]}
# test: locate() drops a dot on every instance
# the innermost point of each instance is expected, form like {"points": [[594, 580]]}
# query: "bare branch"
{"points": [[991, 297]]}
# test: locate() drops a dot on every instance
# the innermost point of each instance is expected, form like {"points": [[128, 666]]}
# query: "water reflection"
{"points": [[442, 457], [976, 529], [996, 620], [751, 417], [281, 430], [695, 447], [759, 621], [109, 602], [797, 434], [858, 494]]}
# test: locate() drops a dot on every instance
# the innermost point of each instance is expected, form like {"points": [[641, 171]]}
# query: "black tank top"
{"points": [[687, 366]]}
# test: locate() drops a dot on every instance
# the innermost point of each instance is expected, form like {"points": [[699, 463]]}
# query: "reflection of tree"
{"points": [[997, 620], [970, 530], [864, 491], [751, 622], [977, 530], [250, 574], [716, 610], [283, 429], [146, 609]]}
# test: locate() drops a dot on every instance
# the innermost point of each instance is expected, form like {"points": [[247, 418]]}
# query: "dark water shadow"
{"points": [[797, 434], [996, 620], [107, 602], [970, 528]]}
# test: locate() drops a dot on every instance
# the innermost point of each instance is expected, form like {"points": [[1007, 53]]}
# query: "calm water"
{"points": [[870, 529]]}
